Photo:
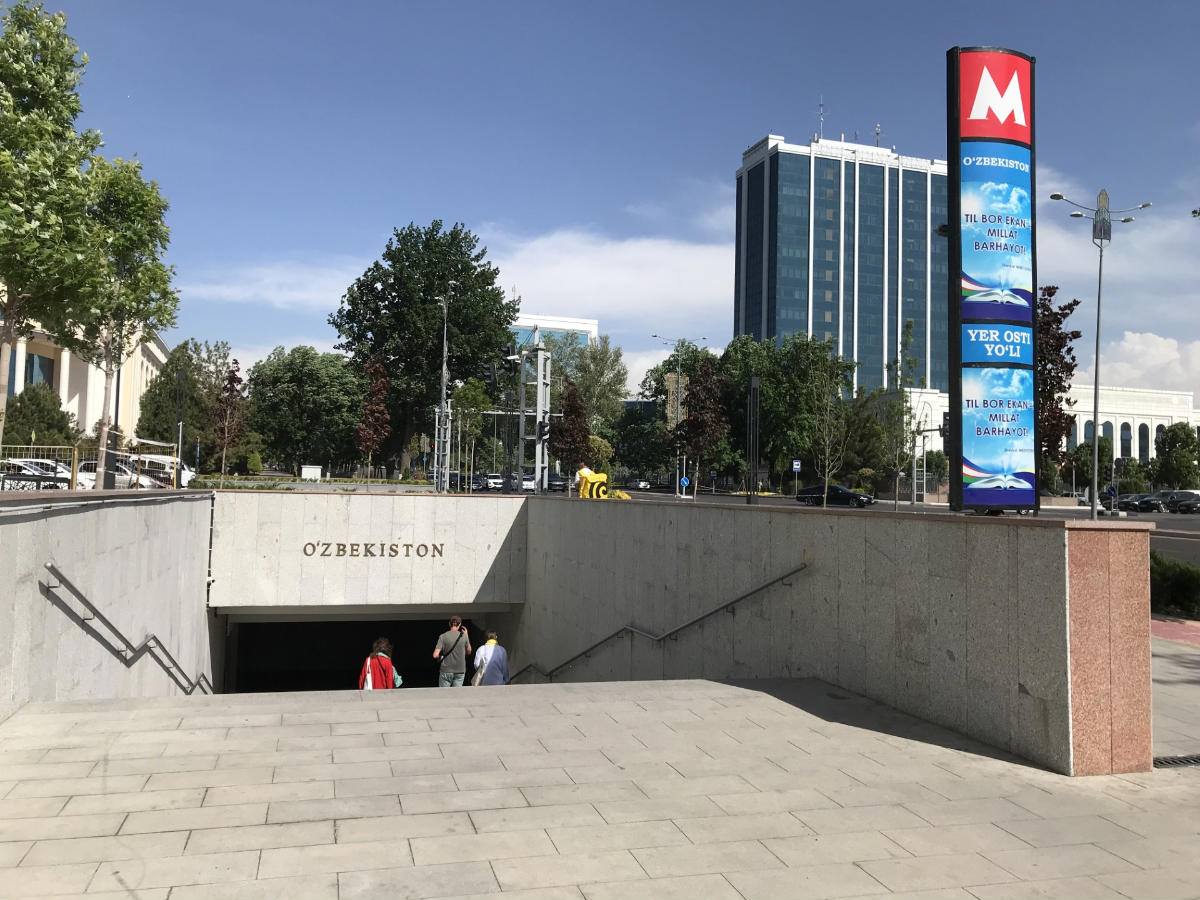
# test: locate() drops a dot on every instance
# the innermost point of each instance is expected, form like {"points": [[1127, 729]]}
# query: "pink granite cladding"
{"points": [[1109, 598]]}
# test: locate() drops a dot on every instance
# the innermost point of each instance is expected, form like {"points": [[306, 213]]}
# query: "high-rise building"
{"points": [[839, 241]]}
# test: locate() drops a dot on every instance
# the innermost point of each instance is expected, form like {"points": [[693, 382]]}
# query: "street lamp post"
{"points": [[678, 417], [442, 454], [1101, 219]]}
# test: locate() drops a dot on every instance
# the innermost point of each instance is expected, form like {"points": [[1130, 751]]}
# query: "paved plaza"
{"points": [[688, 789]]}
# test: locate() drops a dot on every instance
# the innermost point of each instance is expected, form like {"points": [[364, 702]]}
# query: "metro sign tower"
{"points": [[992, 443]]}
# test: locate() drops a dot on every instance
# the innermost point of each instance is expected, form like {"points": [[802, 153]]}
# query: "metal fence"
{"points": [[35, 467]]}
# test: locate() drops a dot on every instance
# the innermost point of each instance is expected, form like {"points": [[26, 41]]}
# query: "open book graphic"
{"points": [[998, 295], [1000, 481]]}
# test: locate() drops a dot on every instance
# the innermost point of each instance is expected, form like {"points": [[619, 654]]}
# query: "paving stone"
{"points": [[333, 858], [954, 839], [68, 787], [969, 811], [567, 869], [627, 836], [926, 873], [881, 794], [1057, 803], [396, 754], [1043, 863], [452, 801], [465, 848], [662, 862], [12, 852], [332, 771], [309, 887], [100, 849], [275, 759], [1162, 884], [259, 837], [134, 802], [31, 807], [686, 887], [1071, 830], [402, 827], [817, 881], [751, 827], [268, 793], [168, 871], [820, 849], [43, 771], [153, 765], [140, 894], [764, 802], [692, 787], [328, 716], [859, 818], [31, 881], [416, 882], [651, 810], [337, 808], [198, 817], [582, 793], [1054, 889], [651, 771], [1159, 824], [524, 818], [49, 828], [209, 778], [473, 781]]}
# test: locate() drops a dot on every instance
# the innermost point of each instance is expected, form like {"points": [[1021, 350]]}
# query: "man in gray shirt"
{"points": [[453, 648]]}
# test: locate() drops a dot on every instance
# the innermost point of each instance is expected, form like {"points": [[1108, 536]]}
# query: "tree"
{"points": [[1177, 449], [1081, 459], [640, 440], [600, 374], [600, 452], [895, 411], [569, 435], [128, 299], [564, 350], [937, 467], [471, 402], [229, 414], [1054, 368], [186, 390], [864, 441], [42, 182], [705, 425], [307, 406], [394, 311], [374, 424], [831, 414], [38, 411]]}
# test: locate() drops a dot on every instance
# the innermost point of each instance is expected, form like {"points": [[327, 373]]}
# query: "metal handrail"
{"points": [[657, 638], [128, 653]]}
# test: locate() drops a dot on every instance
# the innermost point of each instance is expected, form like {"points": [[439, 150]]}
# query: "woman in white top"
{"points": [[491, 662]]}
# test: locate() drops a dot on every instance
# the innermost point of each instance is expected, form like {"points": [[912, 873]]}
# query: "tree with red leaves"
{"points": [[375, 424], [1054, 367]]}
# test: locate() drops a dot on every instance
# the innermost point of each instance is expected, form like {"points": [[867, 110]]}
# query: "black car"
{"points": [[556, 482], [837, 496], [1172, 502], [1154, 502], [1129, 502], [1188, 507]]}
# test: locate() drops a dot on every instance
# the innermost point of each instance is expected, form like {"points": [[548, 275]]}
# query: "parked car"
{"points": [[1154, 502], [477, 483], [494, 481], [836, 496], [556, 482], [31, 476], [528, 483], [1177, 497], [1129, 502], [1188, 507], [124, 477], [638, 484]]}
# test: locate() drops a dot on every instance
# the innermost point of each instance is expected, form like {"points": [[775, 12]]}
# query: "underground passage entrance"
{"points": [[328, 656]]}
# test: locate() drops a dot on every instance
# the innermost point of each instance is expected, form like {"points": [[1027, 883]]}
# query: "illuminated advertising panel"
{"points": [[993, 327]]}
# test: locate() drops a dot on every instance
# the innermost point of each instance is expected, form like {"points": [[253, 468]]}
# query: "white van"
{"points": [[162, 468]]}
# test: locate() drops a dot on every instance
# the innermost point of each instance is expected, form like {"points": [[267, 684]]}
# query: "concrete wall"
{"points": [[963, 621], [142, 560], [286, 550]]}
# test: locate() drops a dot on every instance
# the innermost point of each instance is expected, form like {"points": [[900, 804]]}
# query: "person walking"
{"points": [[491, 662], [453, 648], [581, 478], [378, 673]]}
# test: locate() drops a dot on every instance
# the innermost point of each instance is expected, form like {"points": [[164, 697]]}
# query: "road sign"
{"points": [[796, 465], [1111, 490], [684, 481]]}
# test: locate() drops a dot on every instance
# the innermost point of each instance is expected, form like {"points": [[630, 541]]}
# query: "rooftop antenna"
{"points": [[878, 133], [821, 117]]}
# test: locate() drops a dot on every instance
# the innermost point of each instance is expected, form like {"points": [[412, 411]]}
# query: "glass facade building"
{"points": [[838, 240]]}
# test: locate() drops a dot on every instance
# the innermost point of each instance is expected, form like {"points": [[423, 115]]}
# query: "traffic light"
{"points": [[1119, 465], [543, 430], [490, 375], [944, 431], [512, 362]]}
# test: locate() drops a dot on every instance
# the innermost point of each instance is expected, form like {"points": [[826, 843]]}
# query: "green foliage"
{"points": [[600, 374], [640, 440], [1174, 587], [896, 419], [229, 414], [43, 187], [471, 402], [1132, 480], [937, 466], [864, 441], [306, 405], [192, 374], [600, 453], [38, 411], [394, 311], [1081, 459], [1177, 449], [254, 463]]}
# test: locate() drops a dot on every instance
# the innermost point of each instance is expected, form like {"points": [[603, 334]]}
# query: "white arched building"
{"points": [[1131, 417]]}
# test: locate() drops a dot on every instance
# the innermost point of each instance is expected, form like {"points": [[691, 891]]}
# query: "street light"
{"points": [[442, 455], [1101, 219], [675, 342]]}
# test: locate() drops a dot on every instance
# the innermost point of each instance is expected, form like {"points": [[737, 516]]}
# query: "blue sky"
{"points": [[593, 147]]}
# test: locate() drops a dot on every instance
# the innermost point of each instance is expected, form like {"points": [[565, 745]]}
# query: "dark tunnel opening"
{"points": [[328, 656]]}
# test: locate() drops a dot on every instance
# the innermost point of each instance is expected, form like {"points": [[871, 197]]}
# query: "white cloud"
{"points": [[316, 286], [1144, 360]]}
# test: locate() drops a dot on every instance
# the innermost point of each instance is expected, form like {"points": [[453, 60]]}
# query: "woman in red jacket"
{"points": [[378, 673]]}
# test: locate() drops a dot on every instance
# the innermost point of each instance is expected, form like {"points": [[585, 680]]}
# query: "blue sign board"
{"points": [[998, 449], [684, 481], [997, 344]]}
